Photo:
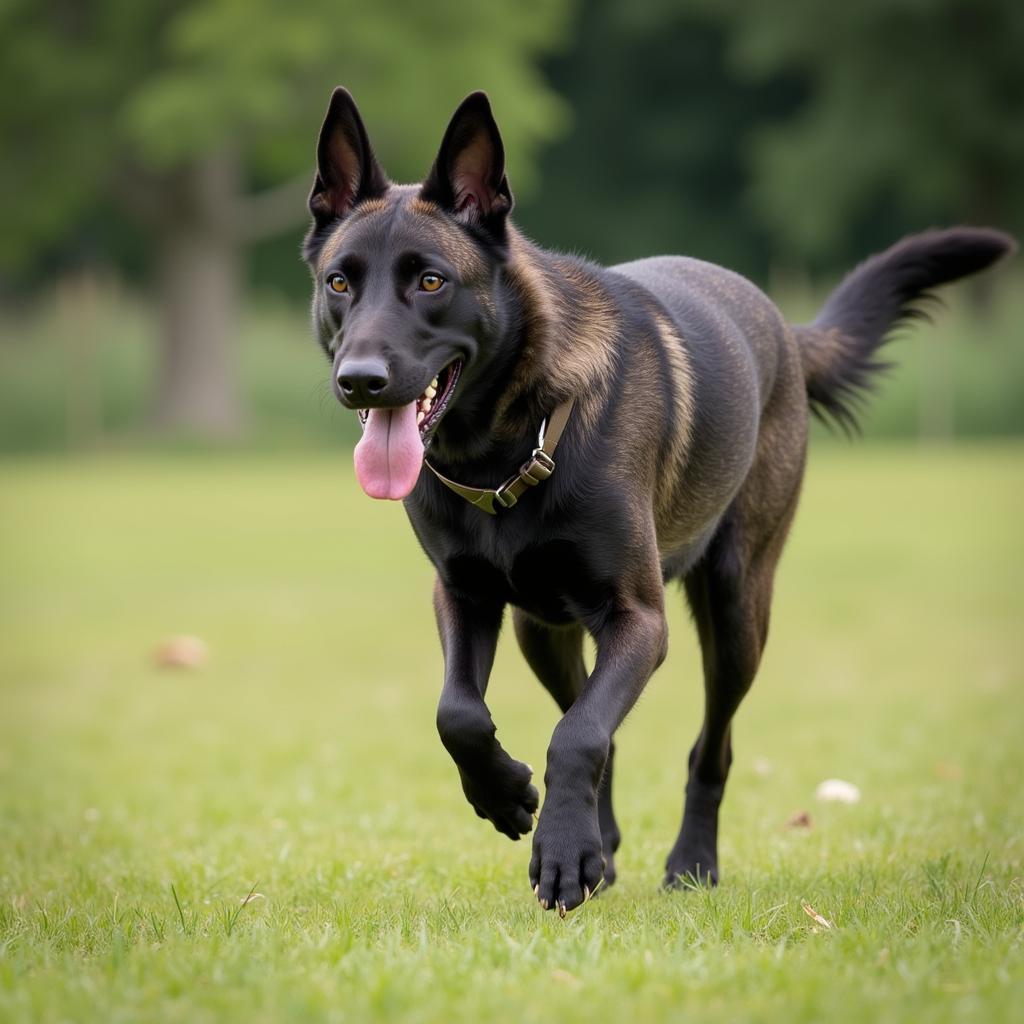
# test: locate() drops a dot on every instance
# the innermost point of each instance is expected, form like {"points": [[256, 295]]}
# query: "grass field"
{"points": [[139, 806]]}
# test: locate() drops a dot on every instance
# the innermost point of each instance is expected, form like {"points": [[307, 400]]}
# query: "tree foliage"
{"points": [[787, 130], [654, 158], [730, 130], [108, 100], [914, 114]]}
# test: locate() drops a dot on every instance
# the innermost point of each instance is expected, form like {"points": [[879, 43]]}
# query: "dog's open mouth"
{"points": [[430, 406], [389, 456]]}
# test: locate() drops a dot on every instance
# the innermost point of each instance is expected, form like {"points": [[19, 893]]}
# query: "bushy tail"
{"points": [[840, 349]]}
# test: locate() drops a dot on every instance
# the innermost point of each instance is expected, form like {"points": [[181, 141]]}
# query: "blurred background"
{"points": [[157, 158]]}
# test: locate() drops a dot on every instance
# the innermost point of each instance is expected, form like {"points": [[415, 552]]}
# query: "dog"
{"points": [[678, 399]]}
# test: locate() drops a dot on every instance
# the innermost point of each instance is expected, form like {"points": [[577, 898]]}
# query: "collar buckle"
{"points": [[539, 468], [504, 495], [535, 471]]}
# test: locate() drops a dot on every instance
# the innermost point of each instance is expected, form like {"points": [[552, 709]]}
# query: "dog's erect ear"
{"points": [[347, 172], [468, 176]]}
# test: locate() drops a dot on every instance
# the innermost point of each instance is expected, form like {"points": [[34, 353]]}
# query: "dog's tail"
{"points": [[839, 350]]}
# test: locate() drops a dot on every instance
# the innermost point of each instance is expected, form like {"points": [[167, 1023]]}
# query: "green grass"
{"points": [[138, 807]]}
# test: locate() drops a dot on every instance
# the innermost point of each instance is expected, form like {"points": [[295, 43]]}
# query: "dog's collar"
{"points": [[532, 472]]}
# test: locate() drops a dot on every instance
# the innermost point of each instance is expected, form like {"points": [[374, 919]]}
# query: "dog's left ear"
{"points": [[468, 176]]}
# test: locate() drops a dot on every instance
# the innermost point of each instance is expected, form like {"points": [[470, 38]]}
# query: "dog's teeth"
{"points": [[433, 383], [431, 391], [420, 417]]}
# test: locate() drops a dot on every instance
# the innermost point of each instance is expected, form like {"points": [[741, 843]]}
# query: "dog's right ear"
{"points": [[347, 172]]}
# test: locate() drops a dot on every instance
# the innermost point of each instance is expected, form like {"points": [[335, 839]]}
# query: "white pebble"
{"points": [[837, 791]]}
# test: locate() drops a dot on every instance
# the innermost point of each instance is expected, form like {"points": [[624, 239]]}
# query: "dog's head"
{"points": [[404, 280]]}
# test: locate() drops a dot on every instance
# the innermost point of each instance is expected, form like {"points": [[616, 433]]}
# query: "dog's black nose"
{"points": [[360, 381]]}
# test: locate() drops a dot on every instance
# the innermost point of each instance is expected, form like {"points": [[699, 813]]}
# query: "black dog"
{"points": [[681, 400]]}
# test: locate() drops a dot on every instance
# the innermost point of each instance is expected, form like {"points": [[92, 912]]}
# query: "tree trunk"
{"points": [[199, 274]]}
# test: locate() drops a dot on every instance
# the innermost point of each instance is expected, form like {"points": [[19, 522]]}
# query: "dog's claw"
{"points": [[561, 910], [586, 894], [536, 889], [544, 904]]}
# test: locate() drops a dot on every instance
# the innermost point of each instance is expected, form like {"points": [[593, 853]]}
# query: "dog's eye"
{"points": [[431, 282], [337, 283]]}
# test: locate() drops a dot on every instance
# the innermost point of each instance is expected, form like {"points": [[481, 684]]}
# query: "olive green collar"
{"points": [[534, 471]]}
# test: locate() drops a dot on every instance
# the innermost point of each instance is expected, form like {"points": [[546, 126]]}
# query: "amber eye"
{"points": [[431, 282], [337, 283]]}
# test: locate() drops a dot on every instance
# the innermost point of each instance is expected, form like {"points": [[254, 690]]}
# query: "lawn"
{"points": [[139, 806]]}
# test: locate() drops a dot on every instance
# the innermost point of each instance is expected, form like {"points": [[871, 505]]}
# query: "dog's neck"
{"points": [[555, 341]]}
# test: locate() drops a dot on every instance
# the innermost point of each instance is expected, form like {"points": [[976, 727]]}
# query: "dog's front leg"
{"points": [[567, 862], [495, 784]]}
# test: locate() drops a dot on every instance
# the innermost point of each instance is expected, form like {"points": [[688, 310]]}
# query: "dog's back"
{"points": [[755, 378], [745, 370]]}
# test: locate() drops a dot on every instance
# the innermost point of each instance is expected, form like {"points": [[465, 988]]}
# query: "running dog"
{"points": [[678, 399]]}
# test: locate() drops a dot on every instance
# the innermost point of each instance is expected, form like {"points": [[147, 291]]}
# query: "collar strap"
{"points": [[534, 471]]}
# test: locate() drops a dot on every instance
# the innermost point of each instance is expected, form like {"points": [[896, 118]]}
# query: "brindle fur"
{"points": [[683, 461]]}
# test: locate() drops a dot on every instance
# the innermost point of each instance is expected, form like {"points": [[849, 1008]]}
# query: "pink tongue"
{"points": [[389, 456]]}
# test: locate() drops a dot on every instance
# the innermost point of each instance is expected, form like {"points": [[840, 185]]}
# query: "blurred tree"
{"points": [[915, 115], [175, 116]]}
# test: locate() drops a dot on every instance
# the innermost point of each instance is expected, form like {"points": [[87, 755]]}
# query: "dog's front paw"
{"points": [[568, 863], [691, 864], [502, 793]]}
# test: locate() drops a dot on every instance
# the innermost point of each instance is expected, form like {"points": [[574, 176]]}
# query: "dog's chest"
{"points": [[555, 580]]}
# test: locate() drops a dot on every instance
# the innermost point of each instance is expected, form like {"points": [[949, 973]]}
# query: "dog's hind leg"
{"points": [[555, 653], [729, 592]]}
